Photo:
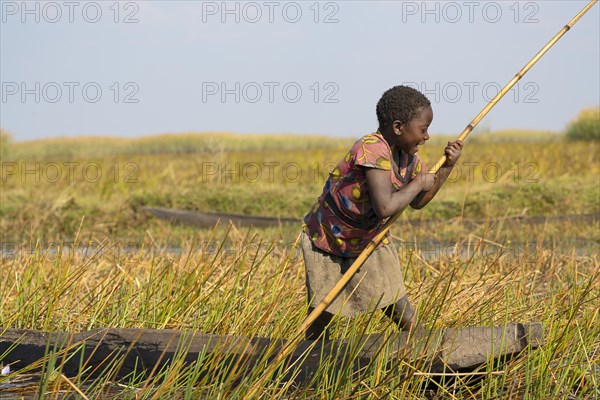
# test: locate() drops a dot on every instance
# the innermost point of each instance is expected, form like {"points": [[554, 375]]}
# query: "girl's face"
{"points": [[413, 134]]}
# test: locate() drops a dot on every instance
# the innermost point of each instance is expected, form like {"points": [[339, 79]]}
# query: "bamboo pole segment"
{"points": [[334, 292]]}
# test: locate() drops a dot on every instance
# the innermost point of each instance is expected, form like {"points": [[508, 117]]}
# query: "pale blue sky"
{"points": [[297, 67]]}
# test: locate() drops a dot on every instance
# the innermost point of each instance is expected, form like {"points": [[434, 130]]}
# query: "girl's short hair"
{"points": [[400, 103]]}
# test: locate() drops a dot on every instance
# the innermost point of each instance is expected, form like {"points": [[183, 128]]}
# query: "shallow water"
{"points": [[428, 251]]}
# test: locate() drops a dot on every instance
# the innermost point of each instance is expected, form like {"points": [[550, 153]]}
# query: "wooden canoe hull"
{"points": [[137, 350], [209, 220]]}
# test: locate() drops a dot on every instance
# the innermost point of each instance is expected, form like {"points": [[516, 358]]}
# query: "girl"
{"points": [[378, 177]]}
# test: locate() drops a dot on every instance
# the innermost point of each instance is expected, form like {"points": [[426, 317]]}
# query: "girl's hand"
{"points": [[452, 152]]}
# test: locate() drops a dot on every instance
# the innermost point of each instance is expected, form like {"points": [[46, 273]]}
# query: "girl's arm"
{"points": [[452, 152], [388, 201]]}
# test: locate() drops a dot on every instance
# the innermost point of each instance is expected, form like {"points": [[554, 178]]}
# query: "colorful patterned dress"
{"points": [[342, 221]]}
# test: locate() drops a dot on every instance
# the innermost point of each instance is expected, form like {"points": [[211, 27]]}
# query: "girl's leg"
{"points": [[401, 313], [319, 327]]}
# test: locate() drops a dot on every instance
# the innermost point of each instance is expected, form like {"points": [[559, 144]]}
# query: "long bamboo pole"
{"points": [[285, 350], [333, 293]]}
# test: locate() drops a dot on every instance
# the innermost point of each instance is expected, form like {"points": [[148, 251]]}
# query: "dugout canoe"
{"points": [[208, 220], [139, 350]]}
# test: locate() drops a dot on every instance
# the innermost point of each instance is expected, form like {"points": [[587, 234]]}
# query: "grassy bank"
{"points": [[51, 197]]}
